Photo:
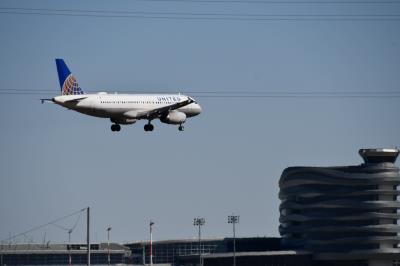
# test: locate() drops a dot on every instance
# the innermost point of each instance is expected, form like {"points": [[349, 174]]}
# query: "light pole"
{"points": [[69, 247], [199, 222], [234, 219], [151, 243], [108, 245], [88, 234]]}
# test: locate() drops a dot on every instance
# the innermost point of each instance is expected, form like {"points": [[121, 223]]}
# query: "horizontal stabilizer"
{"points": [[46, 100]]}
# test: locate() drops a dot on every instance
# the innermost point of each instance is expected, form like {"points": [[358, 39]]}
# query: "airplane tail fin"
{"points": [[68, 83]]}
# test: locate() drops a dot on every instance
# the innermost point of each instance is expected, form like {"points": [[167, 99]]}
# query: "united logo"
{"points": [[71, 87]]}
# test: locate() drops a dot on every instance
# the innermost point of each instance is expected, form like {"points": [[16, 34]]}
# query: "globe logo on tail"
{"points": [[71, 87]]}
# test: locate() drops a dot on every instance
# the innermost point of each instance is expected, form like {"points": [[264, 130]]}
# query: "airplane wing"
{"points": [[155, 113]]}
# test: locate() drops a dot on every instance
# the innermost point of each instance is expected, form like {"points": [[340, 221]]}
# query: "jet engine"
{"points": [[173, 117], [123, 121]]}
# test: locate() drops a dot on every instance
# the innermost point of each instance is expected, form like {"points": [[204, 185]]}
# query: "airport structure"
{"points": [[186, 251], [62, 254], [343, 215], [329, 216], [171, 251]]}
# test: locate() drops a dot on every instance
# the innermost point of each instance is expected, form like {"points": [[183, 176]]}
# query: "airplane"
{"points": [[123, 109]]}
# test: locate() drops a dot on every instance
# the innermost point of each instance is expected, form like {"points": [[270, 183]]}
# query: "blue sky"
{"points": [[229, 159]]}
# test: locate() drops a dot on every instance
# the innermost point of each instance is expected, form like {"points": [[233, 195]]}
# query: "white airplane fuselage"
{"points": [[124, 108]]}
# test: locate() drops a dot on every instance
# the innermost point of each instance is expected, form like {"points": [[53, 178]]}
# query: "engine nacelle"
{"points": [[174, 117], [124, 121]]}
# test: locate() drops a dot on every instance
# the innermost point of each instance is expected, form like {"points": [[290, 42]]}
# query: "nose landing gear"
{"points": [[181, 128]]}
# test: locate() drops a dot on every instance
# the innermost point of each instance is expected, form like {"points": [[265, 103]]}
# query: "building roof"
{"points": [[175, 241], [256, 254]]}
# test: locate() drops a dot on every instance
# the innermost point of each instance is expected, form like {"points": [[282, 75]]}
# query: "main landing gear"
{"points": [[181, 127], [115, 127], [148, 127]]}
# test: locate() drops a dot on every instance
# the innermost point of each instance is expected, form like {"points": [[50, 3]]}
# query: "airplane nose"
{"points": [[198, 109]]}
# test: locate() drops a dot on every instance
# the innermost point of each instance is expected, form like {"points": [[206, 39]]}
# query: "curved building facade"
{"points": [[343, 212]]}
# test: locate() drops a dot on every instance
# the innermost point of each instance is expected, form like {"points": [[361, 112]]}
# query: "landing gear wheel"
{"points": [[181, 128], [148, 127], [115, 127]]}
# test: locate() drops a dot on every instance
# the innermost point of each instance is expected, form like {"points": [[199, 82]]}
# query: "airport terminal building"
{"points": [[62, 254]]}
